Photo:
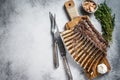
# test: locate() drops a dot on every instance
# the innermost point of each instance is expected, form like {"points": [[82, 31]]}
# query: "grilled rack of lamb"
{"points": [[86, 47]]}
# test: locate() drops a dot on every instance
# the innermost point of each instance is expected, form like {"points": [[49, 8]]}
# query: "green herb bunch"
{"points": [[105, 17]]}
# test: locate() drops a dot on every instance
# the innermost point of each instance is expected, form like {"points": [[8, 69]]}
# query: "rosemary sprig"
{"points": [[105, 17]]}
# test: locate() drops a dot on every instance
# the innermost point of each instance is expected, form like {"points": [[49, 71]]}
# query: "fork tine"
{"points": [[52, 21], [55, 24], [50, 15]]}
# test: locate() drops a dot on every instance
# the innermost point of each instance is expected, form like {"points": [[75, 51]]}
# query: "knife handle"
{"points": [[67, 68], [55, 55]]}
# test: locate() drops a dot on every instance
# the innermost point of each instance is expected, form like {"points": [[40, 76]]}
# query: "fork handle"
{"points": [[55, 55]]}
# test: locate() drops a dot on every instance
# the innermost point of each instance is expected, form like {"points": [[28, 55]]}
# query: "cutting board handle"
{"points": [[71, 9]]}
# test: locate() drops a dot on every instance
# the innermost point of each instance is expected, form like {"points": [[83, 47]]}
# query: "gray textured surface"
{"points": [[25, 41]]}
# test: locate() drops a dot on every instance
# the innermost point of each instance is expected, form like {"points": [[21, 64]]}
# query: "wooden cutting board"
{"points": [[75, 19]]}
